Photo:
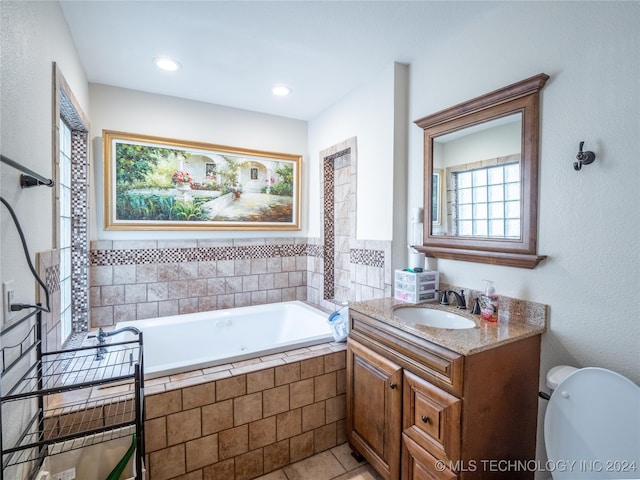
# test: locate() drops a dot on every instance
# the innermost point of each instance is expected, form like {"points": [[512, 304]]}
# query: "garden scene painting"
{"points": [[158, 183]]}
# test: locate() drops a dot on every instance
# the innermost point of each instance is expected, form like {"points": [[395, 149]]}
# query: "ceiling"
{"points": [[233, 52]]}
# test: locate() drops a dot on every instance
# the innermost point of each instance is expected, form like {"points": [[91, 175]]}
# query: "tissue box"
{"points": [[416, 287]]}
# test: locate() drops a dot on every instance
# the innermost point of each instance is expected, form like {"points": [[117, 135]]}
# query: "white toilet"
{"points": [[592, 425]]}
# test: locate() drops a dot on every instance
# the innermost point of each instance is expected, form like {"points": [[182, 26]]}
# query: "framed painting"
{"points": [[153, 183]]}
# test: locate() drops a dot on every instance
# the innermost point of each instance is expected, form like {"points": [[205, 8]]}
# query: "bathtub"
{"points": [[181, 343]]}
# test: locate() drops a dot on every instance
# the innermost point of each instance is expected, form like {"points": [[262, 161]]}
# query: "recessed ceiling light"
{"points": [[167, 64], [281, 91]]}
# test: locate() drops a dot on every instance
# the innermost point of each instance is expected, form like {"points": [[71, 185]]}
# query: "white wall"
{"points": [[589, 221], [32, 36], [367, 114], [488, 144], [131, 111]]}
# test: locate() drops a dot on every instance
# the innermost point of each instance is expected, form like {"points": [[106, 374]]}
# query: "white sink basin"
{"points": [[433, 318]]}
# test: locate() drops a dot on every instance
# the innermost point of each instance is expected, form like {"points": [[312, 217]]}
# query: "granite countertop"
{"points": [[517, 320]]}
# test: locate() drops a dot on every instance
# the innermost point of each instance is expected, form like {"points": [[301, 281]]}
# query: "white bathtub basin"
{"points": [[433, 318]]}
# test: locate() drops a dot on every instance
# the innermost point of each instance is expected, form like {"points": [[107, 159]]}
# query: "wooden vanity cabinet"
{"points": [[374, 408], [418, 411]]}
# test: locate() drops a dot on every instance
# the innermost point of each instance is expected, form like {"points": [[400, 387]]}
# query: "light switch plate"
{"points": [[8, 293]]}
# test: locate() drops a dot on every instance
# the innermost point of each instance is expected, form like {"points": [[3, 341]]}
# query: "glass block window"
{"points": [[64, 240], [486, 201]]}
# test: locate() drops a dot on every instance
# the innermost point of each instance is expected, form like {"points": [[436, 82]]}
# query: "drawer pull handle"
{"points": [[425, 419], [392, 386]]}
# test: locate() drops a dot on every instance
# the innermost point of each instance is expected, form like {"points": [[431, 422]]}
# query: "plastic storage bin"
{"points": [[416, 287], [93, 462]]}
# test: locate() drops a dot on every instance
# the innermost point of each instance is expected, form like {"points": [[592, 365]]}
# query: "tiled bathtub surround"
{"points": [[136, 280], [48, 267], [244, 420], [132, 280]]}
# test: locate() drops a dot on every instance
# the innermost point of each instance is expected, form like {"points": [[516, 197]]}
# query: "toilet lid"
{"points": [[592, 427]]}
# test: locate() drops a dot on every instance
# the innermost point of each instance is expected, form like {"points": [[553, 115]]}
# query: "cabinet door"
{"points": [[431, 418], [374, 402], [418, 464]]}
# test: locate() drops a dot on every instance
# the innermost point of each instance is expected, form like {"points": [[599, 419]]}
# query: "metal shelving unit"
{"points": [[68, 399]]}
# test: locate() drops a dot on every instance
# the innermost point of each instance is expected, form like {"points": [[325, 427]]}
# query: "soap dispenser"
{"points": [[489, 303]]}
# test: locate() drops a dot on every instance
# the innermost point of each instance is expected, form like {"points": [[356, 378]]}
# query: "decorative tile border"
{"points": [[48, 268], [68, 111], [371, 258], [80, 229], [140, 256], [329, 228]]}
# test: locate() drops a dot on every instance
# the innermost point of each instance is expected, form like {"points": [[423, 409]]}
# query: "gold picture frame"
{"points": [[156, 183]]}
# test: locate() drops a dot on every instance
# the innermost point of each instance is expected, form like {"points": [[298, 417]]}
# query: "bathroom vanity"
{"points": [[435, 403]]}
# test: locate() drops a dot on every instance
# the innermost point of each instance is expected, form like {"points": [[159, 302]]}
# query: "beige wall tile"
{"points": [[287, 374], [233, 442], [325, 386], [275, 400], [247, 408], [311, 367], [341, 381], [202, 452], [112, 295], [167, 463], [335, 408], [231, 387], [324, 437], [155, 434], [217, 417], [199, 395], [301, 393], [184, 375], [219, 471], [257, 367], [276, 455], [249, 465], [289, 424], [301, 446], [313, 416], [195, 475], [183, 426], [262, 432], [154, 389], [261, 380], [335, 361], [80, 421], [341, 431], [50, 428]]}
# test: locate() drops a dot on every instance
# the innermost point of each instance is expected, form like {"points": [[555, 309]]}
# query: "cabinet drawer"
{"points": [[418, 464], [440, 366], [431, 418]]}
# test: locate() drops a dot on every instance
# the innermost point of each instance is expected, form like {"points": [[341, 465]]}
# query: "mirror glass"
{"points": [[477, 180], [481, 177]]}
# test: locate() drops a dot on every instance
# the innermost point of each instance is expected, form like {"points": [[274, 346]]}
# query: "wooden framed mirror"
{"points": [[481, 178]]}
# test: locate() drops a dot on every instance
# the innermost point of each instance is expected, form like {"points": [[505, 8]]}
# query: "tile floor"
{"points": [[334, 464]]}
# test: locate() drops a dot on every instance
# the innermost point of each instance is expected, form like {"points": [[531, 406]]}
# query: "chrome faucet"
{"points": [[101, 350], [462, 304]]}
